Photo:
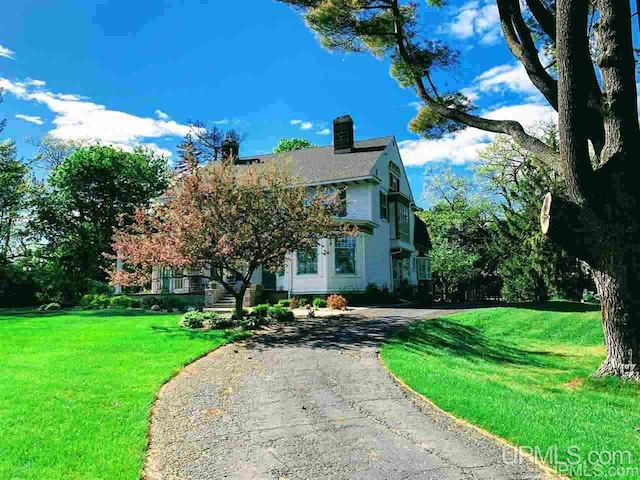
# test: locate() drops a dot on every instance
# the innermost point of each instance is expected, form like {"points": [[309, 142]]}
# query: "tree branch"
{"points": [[508, 127], [617, 65], [521, 44], [573, 63], [545, 18]]}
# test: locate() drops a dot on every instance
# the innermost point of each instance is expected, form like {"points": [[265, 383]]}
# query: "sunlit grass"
{"points": [[76, 389], [524, 375]]}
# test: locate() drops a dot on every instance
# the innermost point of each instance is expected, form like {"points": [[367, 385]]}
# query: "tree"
{"points": [[52, 151], [77, 210], [464, 254], [597, 220], [292, 144], [230, 221], [205, 144], [14, 189], [532, 267]]}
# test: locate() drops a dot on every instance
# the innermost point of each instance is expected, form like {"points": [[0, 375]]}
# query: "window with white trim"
{"points": [[307, 263], [345, 253], [403, 221], [384, 206]]}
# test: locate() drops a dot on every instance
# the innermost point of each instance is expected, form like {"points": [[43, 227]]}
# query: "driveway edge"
{"points": [[420, 401]]}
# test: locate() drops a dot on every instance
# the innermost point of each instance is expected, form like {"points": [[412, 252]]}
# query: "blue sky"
{"points": [[126, 72]]}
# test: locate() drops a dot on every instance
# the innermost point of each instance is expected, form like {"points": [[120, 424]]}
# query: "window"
{"points": [[346, 256], [394, 177], [384, 207], [403, 222], [307, 263], [424, 268]]}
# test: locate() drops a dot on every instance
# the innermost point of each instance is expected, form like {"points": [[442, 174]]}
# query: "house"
{"points": [[392, 248]]}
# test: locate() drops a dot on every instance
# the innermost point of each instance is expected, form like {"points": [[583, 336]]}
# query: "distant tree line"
{"points": [[487, 243]]}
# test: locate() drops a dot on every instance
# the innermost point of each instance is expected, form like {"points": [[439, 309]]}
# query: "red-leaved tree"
{"points": [[231, 219]]}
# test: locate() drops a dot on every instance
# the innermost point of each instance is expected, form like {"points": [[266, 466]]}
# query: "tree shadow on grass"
{"points": [[446, 337], [569, 307]]}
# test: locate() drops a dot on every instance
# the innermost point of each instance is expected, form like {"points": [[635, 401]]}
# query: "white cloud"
{"points": [[77, 117], [224, 121], [463, 146], [161, 115], [7, 53], [296, 122], [479, 19], [505, 77], [35, 83], [324, 131], [30, 118], [306, 126]]}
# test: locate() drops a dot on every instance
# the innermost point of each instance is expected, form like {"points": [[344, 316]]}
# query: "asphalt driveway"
{"points": [[311, 401]]}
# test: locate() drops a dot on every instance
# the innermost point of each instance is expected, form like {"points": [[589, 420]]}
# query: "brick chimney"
{"points": [[343, 134], [230, 148]]}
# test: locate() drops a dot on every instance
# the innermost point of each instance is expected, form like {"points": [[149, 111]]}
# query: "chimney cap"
{"points": [[343, 118]]}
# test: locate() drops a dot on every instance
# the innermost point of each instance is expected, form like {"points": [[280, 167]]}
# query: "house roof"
{"points": [[321, 164], [421, 238]]}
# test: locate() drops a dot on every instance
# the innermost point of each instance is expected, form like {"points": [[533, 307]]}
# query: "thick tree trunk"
{"points": [[609, 240], [239, 296], [620, 323]]}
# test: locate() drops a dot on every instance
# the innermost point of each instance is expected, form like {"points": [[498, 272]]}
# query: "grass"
{"points": [[76, 389], [524, 375]]}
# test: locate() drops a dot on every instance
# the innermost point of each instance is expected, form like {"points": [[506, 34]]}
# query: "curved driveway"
{"points": [[311, 401]]}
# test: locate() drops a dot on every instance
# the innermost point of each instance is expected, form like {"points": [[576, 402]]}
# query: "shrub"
{"points": [[136, 303], [319, 303], [99, 301], [192, 320], [121, 301], [251, 323], [260, 311], [86, 300], [284, 302], [49, 307], [220, 322], [149, 301], [280, 314], [234, 313], [336, 302], [293, 302], [169, 302]]}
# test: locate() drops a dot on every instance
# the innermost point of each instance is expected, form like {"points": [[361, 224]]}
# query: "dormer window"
{"points": [[394, 177]]}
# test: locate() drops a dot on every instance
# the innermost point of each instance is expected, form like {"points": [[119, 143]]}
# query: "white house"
{"points": [[392, 248]]}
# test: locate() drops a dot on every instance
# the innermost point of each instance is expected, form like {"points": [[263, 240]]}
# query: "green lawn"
{"points": [[76, 389], [523, 374]]}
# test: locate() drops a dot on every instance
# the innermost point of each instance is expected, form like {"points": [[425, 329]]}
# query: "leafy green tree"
{"points": [[77, 211], [14, 189], [532, 267], [292, 144], [464, 254]]}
